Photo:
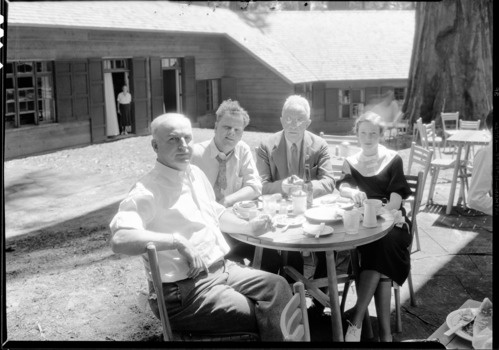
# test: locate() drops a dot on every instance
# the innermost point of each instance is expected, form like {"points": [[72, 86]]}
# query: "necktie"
{"points": [[294, 160], [221, 181]]}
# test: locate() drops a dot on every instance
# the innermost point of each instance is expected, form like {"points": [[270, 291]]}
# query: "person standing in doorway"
{"points": [[124, 100]]}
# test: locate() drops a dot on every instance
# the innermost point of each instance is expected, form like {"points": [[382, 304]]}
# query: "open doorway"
{"points": [[116, 74], [172, 85], [169, 91]]}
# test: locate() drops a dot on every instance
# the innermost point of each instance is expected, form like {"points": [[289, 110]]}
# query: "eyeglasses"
{"points": [[297, 122]]}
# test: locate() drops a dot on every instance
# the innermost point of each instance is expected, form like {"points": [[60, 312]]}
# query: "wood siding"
{"points": [[67, 44], [259, 90], [33, 140]]}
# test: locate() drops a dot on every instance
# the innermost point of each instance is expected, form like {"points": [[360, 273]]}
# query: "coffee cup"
{"points": [[371, 207]]}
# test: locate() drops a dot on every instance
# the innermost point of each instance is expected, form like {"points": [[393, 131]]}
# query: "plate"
{"points": [[454, 317], [311, 229], [285, 220], [323, 214], [340, 202]]}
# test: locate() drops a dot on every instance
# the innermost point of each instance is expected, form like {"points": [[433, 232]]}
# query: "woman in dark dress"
{"points": [[377, 172]]}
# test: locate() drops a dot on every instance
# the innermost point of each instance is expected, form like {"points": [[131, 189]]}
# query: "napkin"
{"points": [[398, 218], [482, 327]]}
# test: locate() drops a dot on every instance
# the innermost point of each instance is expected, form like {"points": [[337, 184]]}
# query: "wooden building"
{"points": [[66, 62]]}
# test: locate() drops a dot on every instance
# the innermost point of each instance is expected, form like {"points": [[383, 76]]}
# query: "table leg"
{"points": [[454, 180], [257, 258], [333, 297]]}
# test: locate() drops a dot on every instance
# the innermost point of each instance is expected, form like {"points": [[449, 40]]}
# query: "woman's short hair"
{"points": [[232, 107], [372, 118], [296, 100]]}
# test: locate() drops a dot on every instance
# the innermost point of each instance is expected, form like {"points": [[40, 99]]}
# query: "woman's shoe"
{"points": [[353, 333]]}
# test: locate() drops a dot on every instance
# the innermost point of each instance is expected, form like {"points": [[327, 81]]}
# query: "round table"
{"points": [[294, 239]]}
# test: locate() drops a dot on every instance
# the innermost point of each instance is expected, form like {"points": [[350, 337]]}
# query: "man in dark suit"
{"points": [[275, 161], [285, 154]]}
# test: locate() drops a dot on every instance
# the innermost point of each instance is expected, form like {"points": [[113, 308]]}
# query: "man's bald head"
{"points": [[172, 140]]}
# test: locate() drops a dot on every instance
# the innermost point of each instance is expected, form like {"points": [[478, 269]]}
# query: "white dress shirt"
{"points": [[481, 181], [241, 168], [170, 201], [124, 98]]}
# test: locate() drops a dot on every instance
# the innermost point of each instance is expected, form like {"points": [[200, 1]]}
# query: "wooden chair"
{"points": [[437, 164], [416, 184], [450, 124], [429, 136], [168, 334], [469, 124], [294, 317], [423, 157]]}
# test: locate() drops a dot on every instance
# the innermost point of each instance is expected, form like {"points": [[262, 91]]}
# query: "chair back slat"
{"points": [[428, 134], [416, 184], [450, 121], [294, 317], [420, 156], [469, 124]]}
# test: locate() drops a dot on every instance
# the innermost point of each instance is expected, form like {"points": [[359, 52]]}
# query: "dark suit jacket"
{"points": [[272, 163]]}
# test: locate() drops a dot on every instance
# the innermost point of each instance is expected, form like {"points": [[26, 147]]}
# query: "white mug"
{"points": [[370, 209]]}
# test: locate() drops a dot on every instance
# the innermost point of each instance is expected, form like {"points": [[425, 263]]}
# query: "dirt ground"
{"points": [[63, 280]]}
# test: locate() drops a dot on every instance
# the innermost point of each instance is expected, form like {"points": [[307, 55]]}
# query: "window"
{"points": [[351, 103], [121, 63], [213, 92], [170, 63], [29, 93], [399, 94]]}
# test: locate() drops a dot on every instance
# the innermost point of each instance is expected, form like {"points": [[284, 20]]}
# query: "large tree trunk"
{"points": [[451, 65]]}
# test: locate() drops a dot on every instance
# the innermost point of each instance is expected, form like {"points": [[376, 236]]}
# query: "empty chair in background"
{"points": [[422, 157], [429, 137], [450, 124]]}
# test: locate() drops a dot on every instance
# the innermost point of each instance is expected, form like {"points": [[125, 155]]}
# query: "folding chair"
{"points": [[168, 334], [294, 317], [450, 124], [429, 135], [415, 182], [423, 157]]}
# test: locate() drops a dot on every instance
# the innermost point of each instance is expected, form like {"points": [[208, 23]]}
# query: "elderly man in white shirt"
{"points": [[226, 159], [174, 207], [480, 192]]}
